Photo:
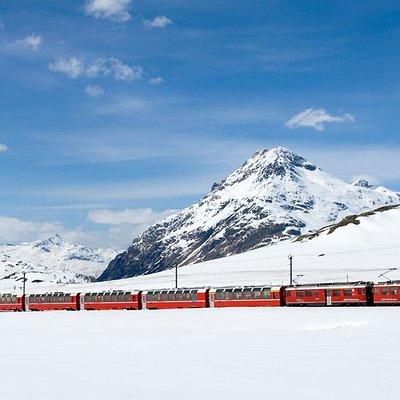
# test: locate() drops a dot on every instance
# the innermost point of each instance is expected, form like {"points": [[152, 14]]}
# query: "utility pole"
{"points": [[291, 269], [176, 276], [23, 291], [24, 283]]}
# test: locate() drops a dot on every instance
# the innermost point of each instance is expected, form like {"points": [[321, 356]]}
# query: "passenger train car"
{"points": [[323, 295]]}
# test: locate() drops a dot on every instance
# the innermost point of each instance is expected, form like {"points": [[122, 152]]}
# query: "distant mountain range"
{"points": [[52, 260], [275, 195]]}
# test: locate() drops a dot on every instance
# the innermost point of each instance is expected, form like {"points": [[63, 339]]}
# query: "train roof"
{"points": [[111, 292], [52, 294], [245, 287], [183, 289], [330, 285], [396, 282]]}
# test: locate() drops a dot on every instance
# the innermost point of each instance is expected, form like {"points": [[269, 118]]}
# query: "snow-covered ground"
{"points": [[290, 353]]}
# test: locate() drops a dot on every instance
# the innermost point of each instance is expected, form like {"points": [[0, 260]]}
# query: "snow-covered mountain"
{"points": [[52, 260], [274, 195]]}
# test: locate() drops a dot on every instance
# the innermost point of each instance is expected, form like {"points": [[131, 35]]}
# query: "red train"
{"points": [[326, 294]]}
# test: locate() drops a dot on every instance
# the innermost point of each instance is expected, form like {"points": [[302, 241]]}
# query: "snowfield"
{"points": [[293, 353]]}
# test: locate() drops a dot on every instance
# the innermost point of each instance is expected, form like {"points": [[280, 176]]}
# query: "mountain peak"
{"points": [[55, 240], [267, 164]]}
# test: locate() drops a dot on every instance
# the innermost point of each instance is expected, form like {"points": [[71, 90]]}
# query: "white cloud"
{"points": [[316, 118], [3, 147], [158, 22], [2, 26], [128, 216], [94, 90], [156, 81], [116, 10], [31, 42], [75, 67], [16, 230]]}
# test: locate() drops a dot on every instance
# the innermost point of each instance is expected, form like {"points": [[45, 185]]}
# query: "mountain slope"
{"points": [[274, 195], [52, 260]]}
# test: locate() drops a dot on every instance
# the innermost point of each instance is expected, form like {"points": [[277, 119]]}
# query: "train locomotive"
{"points": [[310, 295]]}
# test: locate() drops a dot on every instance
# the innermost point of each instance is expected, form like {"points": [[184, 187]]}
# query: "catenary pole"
{"points": [[291, 269], [24, 283], [176, 276]]}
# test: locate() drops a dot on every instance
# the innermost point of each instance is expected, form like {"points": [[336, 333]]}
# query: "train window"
{"points": [[300, 293], [246, 294], [178, 295], [385, 291], [308, 293], [219, 295], [171, 296], [266, 294], [257, 295], [149, 297], [194, 296], [114, 297], [237, 295], [347, 292], [164, 296], [336, 292], [394, 291]]}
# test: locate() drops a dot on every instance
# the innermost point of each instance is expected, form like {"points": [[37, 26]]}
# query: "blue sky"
{"points": [[115, 112]]}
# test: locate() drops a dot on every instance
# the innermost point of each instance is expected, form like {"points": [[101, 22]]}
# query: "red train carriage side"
{"points": [[330, 294], [386, 293], [115, 300], [247, 296], [11, 302], [175, 298], [52, 302]]}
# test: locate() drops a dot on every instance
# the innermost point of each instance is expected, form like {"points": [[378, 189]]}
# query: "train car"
{"points": [[115, 300], [386, 293], [329, 294], [52, 302], [247, 296], [175, 298], [11, 302]]}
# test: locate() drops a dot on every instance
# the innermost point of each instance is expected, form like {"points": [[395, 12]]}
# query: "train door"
{"points": [[26, 303], [211, 295], [144, 307], [328, 297], [81, 301]]}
